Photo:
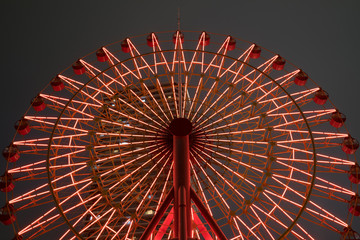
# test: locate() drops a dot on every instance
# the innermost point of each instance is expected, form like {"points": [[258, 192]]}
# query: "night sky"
{"points": [[41, 38]]}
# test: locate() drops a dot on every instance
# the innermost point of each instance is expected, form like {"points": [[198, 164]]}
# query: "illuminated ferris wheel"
{"points": [[167, 137]]}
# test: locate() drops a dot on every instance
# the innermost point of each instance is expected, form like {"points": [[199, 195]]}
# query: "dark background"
{"points": [[41, 38]]}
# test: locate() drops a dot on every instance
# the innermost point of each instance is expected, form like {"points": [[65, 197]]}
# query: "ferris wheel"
{"points": [[185, 135]]}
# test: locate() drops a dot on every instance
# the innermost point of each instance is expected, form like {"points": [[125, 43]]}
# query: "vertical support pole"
{"points": [[181, 129]]}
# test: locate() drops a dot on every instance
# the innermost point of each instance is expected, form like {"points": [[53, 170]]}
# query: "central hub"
{"points": [[180, 127]]}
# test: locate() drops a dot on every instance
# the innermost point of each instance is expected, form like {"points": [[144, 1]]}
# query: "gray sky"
{"points": [[41, 38]]}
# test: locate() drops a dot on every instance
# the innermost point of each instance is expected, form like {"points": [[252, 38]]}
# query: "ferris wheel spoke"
{"points": [[97, 220], [235, 132], [92, 74], [226, 167], [81, 89], [161, 149], [223, 118], [262, 223], [105, 225], [285, 213], [319, 215], [196, 96], [140, 112], [198, 183], [53, 124], [61, 101], [285, 96], [305, 94], [99, 197], [263, 68], [146, 175], [136, 54], [315, 139], [285, 79], [153, 182], [123, 144], [203, 103], [165, 98], [199, 50], [247, 227], [111, 59], [180, 61], [162, 194], [214, 187], [310, 119], [317, 186], [127, 125], [244, 57], [110, 134], [156, 102], [162, 61], [234, 160], [215, 84], [73, 184], [157, 51], [326, 214], [231, 185], [121, 228], [37, 223], [126, 74], [235, 141], [330, 134], [222, 48], [178, 57], [132, 48], [335, 159], [62, 105], [37, 166], [32, 194], [104, 160], [276, 220]]}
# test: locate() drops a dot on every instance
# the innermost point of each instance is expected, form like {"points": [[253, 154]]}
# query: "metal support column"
{"points": [[181, 129]]}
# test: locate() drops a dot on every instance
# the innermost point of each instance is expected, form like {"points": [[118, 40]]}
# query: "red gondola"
{"points": [[279, 63], [232, 44], [150, 40], [11, 153], [181, 35], [349, 234], [255, 52], [6, 182], [7, 216], [350, 145], [101, 55], [125, 46], [301, 78], [206, 40], [22, 126], [57, 84], [18, 237], [337, 119], [38, 103], [78, 68], [354, 205], [354, 173], [321, 97]]}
